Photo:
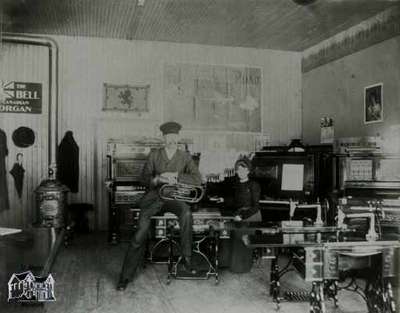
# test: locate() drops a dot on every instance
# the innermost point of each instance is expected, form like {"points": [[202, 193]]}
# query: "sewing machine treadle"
{"points": [[327, 263], [209, 227]]}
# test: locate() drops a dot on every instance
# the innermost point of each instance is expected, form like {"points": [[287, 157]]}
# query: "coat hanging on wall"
{"points": [[4, 202], [68, 162], [18, 173]]}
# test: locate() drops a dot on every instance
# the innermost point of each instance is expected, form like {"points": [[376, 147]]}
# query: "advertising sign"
{"points": [[20, 97]]}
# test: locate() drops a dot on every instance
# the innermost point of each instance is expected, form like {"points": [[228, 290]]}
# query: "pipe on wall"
{"points": [[53, 87]]}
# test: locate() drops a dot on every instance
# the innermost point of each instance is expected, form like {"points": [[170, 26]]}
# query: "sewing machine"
{"points": [[209, 226], [371, 235], [383, 213], [323, 257]]}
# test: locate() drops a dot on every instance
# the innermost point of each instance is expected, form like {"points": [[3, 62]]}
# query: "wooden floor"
{"points": [[86, 273]]}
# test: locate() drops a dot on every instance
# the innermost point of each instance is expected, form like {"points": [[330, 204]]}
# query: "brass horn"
{"points": [[181, 192]]}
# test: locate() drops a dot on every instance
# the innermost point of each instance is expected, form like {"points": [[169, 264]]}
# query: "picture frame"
{"points": [[126, 98], [218, 97], [373, 103]]}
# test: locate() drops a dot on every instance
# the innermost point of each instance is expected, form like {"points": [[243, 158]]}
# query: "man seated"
{"points": [[167, 165]]}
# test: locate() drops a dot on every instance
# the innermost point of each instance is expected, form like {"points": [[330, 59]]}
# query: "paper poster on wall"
{"points": [[20, 97], [213, 97]]}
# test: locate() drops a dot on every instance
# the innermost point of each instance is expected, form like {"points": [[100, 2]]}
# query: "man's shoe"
{"points": [[121, 286]]}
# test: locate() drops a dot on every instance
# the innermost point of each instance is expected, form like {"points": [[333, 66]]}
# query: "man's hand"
{"points": [[156, 180], [169, 177], [237, 218]]}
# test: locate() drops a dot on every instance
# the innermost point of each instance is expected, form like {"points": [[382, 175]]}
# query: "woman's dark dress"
{"points": [[245, 203]]}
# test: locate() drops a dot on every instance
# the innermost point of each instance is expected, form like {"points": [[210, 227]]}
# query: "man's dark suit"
{"points": [[151, 204]]}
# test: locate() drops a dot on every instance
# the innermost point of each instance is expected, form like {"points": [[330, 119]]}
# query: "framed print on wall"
{"points": [[126, 98], [214, 97], [373, 103]]}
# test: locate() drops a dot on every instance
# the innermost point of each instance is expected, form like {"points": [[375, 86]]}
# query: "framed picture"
{"points": [[373, 103], [126, 98], [214, 97]]}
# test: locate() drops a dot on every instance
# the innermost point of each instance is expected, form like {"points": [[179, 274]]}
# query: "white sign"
{"points": [[292, 177]]}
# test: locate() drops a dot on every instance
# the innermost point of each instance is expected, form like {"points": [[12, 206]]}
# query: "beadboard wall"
{"points": [[85, 64]]}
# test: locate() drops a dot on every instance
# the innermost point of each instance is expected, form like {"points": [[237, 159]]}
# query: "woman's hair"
{"points": [[243, 162]]}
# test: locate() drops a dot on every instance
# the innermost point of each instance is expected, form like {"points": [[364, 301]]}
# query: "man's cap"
{"points": [[23, 137], [170, 128]]}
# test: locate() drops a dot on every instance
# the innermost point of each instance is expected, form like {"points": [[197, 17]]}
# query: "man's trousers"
{"points": [[150, 205]]}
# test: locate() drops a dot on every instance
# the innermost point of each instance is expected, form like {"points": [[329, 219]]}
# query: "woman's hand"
{"points": [[216, 199]]}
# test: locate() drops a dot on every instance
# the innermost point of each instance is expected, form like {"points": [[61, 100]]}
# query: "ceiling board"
{"points": [[273, 24]]}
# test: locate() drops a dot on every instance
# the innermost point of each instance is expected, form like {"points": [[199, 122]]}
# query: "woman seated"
{"points": [[244, 202]]}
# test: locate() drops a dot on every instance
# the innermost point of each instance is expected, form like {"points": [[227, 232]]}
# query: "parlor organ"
{"points": [[303, 177], [125, 162], [369, 182]]}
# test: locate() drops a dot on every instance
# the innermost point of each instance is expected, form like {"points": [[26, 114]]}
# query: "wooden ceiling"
{"points": [[265, 24]]}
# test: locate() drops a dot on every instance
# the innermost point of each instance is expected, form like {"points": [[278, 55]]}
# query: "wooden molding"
{"points": [[381, 27]]}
